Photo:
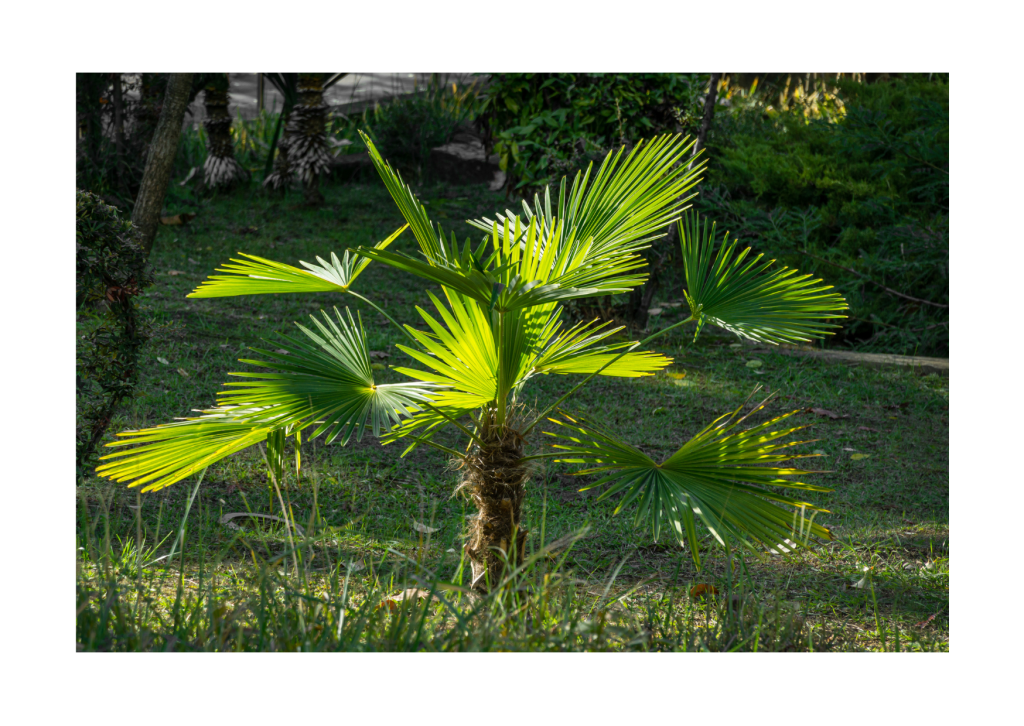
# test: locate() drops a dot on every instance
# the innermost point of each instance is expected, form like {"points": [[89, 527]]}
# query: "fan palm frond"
{"points": [[718, 476], [629, 200], [327, 384], [769, 306], [257, 276]]}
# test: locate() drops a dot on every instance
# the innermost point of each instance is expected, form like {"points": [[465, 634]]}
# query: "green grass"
{"points": [[257, 588]]}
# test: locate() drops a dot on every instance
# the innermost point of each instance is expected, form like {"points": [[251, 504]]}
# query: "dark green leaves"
{"points": [[717, 476], [746, 298], [326, 383]]}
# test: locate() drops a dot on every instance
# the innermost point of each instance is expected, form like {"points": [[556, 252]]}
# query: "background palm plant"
{"points": [[497, 325]]}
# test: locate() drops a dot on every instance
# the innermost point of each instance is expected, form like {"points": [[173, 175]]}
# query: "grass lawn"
{"points": [[373, 524]]}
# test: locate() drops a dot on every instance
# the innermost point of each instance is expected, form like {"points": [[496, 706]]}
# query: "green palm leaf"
{"points": [[328, 384], [257, 276], [629, 200], [769, 306], [719, 476], [173, 451]]}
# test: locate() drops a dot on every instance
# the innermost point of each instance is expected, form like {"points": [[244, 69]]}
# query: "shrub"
{"points": [[543, 125], [853, 183], [407, 128], [111, 272]]}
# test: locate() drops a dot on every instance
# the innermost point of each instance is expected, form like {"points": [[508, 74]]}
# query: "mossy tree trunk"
{"points": [[160, 160]]}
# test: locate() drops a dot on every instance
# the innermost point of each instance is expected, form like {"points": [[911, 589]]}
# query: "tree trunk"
{"points": [[160, 160], [709, 112], [308, 149], [221, 169], [122, 167], [495, 479]]}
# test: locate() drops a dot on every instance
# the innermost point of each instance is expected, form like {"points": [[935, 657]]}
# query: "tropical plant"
{"points": [[220, 169], [303, 152], [407, 128], [497, 325]]}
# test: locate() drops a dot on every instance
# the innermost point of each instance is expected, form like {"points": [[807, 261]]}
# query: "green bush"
{"points": [[111, 273], [407, 128], [859, 182], [545, 125]]}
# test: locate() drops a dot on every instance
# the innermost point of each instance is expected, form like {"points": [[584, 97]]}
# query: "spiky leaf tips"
{"points": [[746, 297], [257, 276], [718, 475], [327, 384]]}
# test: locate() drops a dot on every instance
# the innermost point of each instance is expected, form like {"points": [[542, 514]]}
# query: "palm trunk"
{"points": [[309, 148], [495, 479], [221, 169]]}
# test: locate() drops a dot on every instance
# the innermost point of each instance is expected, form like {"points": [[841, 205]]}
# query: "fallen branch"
{"points": [[865, 277]]}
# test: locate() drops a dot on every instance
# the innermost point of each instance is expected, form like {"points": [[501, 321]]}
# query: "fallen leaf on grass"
{"points": [[378, 354], [410, 595], [183, 372], [226, 519], [736, 346], [754, 363], [378, 366], [824, 412], [163, 360], [684, 383], [858, 457], [424, 528], [654, 311], [847, 448], [173, 273], [927, 620], [177, 219], [658, 411], [703, 590], [868, 428]]}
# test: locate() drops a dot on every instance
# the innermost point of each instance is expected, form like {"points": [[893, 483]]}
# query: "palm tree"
{"points": [[497, 325], [221, 169], [302, 153]]}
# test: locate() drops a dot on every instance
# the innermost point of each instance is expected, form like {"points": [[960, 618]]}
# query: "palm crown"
{"points": [[497, 324]]}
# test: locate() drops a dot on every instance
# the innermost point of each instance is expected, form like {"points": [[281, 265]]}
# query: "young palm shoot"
{"points": [[497, 323]]}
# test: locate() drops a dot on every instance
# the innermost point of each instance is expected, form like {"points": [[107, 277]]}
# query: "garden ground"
{"points": [[373, 524]]}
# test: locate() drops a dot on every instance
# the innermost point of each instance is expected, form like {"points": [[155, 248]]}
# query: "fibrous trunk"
{"points": [[308, 149], [221, 169], [495, 478]]}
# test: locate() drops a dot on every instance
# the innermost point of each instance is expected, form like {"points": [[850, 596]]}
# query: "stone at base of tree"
{"points": [[352, 167], [463, 161]]}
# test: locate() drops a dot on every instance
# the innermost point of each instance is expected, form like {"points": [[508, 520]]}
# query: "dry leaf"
{"points": [[825, 412], [927, 620], [226, 519], [378, 354], [178, 219], [424, 528], [191, 173], [858, 457], [410, 595], [183, 372], [173, 273], [868, 428], [685, 383], [163, 360], [703, 590]]}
